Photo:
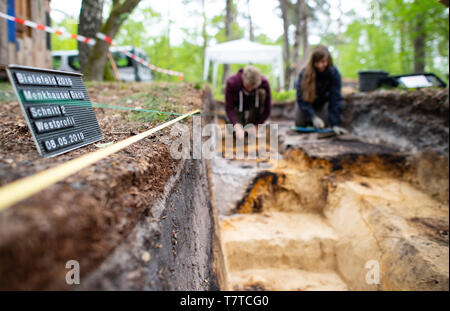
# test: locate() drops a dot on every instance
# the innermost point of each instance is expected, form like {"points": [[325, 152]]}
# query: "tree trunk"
{"points": [[305, 35], [204, 32], [339, 21], [298, 36], [403, 59], [228, 24], [252, 34], [419, 44], [97, 58], [89, 24], [286, 46]]}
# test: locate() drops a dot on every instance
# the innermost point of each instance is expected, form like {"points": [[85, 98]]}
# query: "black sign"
{"points": [[57, 108]]}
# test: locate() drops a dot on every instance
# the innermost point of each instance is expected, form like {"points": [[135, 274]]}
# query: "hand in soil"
{"points": [[318, 122], [339, 130], [240, 134]]}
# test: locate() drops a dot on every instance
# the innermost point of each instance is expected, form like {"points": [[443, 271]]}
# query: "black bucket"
{"points": [[369, 80]]}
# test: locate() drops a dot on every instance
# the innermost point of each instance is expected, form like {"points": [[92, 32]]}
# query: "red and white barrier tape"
{"points": [[90, 41]]}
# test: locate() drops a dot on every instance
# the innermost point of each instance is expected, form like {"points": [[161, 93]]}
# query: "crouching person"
{"points": [[247, 99], [319, 93]]}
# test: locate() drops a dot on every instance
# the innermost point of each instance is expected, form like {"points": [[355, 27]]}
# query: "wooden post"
{"points": [[114, 67]]}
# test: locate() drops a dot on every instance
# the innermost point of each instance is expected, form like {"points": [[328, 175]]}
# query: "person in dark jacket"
{"points": [[319, 93], [248, 99]]}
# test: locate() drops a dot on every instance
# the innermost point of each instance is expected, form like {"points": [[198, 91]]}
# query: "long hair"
{"points": [[308, 85]]}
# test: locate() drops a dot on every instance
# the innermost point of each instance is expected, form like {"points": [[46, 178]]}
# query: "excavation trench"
{"points": [[331, 213], [334, 213], [137, 220]]}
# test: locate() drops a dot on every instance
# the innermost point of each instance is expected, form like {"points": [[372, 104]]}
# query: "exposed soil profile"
{"points": [[411, 120], [91, 213], [320, 216], [323, 227]]}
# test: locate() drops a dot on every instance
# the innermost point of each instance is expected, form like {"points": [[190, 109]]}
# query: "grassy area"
{"points": [[5, 86], [162, 102], [150, 96], [283, 96], [6, 91], [276, 96]]}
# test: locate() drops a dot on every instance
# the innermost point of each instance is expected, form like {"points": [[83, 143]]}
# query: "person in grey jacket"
{"points": [[319, 93]]}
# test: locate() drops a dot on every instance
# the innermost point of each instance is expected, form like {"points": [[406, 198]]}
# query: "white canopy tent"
{"points": [[244, 52]]}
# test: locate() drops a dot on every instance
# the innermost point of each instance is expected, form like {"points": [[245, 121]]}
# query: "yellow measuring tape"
{"points": [[26, 187]]}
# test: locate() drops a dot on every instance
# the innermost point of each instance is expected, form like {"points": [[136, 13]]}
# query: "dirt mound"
{"points": [[90, 213], [410, 120]]}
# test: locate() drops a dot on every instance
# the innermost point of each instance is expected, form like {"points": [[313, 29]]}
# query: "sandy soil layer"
{"points": [[381, 202]]}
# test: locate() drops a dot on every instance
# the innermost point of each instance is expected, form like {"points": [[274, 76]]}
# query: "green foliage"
{"points": [[198, 86], [284, 96], [218, 22], [152, 102], [62, 43], [277, 96], [6, 92], [56, 62], [133, 31], [367, 47], [5, 86], [362, 45], [389, 45], [218, 93]]}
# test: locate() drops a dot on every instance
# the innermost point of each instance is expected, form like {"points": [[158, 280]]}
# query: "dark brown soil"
{"points": [[88, 214], [435, 229], [410, 120]]}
